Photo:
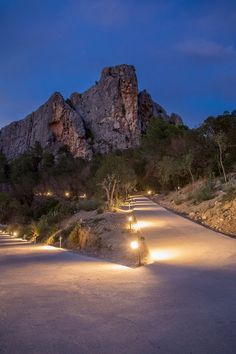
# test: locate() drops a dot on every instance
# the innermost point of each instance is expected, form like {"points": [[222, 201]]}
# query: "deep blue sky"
{"points": [[184, 51]]}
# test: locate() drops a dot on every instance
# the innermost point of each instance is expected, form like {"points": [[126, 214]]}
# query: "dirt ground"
{"points": [[219, 213], [113, 231]]}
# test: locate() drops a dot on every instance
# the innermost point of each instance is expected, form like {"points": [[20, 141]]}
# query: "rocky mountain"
{"points": [[111, 115]]}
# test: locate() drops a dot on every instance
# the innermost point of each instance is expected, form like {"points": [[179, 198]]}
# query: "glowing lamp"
{"points": [[134, 245], [136, 226]]}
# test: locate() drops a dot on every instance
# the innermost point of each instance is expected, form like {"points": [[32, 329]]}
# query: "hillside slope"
{"points": [[218, 211]]}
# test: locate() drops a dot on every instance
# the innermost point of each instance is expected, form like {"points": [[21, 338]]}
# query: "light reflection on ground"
{"points": [[164, 254]]}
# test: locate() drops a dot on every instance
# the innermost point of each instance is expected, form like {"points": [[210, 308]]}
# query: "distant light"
{"points": [[134, 245], [67, 194], [49, 194], [130, 218], [149, 192], [15, 233]]}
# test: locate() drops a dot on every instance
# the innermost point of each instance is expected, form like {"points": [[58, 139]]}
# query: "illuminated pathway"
{"points": [[175, 240], [53, 301]]}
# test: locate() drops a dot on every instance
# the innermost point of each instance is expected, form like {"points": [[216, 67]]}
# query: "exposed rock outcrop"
{"points": [[52, 125], [109, 116], [110, 109], [148, 109]]}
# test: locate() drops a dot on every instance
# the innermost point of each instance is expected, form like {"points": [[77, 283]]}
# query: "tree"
{"points": [[115, 177], [221, 133], [220, 140], [3, 168], [109, 184], [187, 164]]}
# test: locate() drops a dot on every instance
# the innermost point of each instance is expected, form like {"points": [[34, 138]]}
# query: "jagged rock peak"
{"points": [[148, 109], [56, 96], [109, 116], [122, 70], [53, 124], [109, 109]]}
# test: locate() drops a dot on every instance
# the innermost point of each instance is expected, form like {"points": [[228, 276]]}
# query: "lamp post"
{"points": [[135, 245], [130, 222]]}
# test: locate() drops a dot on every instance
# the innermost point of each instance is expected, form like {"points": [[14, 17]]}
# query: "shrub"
{"points": [[100, 210], [52, 240], [43, 229], [44, 207], [74, 237], [67, 207], [229, 188], [178, 200], [82, 238], [88, 205], [230, 195], [203, 193]]}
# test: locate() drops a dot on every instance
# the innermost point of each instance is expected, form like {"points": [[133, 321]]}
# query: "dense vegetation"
{"points": [[39, 189]]}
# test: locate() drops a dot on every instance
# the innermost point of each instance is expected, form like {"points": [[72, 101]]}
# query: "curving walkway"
{"points": [[54, 301]]}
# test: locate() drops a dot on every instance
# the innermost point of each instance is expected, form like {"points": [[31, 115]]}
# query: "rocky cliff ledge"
{"points": [[111, 115]]}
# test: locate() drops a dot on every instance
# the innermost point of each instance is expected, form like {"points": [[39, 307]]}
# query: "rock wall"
{"points": [[110, 109], [54, 124], [148, 109], [109, 116]]}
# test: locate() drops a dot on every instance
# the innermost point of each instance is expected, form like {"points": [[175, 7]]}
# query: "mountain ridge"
{"points": [[110, 115]]}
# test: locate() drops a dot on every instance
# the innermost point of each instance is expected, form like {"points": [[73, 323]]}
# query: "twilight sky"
{"points": [[184, 51]]}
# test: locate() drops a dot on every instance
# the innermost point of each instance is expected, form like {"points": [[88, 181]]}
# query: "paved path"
{"points": [[176, 240], [53, 301]]}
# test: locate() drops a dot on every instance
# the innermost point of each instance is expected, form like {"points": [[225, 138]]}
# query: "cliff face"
{"points": [[110, 109], [111, 115], [54, 124], [148, 109]]}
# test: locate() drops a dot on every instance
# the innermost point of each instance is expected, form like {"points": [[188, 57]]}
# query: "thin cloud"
{"points": [[206, 49], [119, 13], [104, 12]]}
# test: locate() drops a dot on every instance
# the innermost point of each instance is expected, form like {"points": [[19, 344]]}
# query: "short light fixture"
{"points": [[130, 219], [134, 245]]}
